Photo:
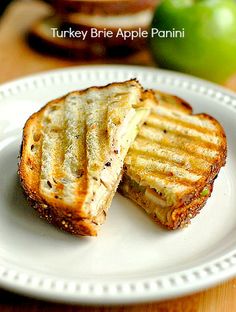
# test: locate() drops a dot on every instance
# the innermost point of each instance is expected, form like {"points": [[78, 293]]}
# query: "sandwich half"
{"points": [[171, 167], [73, 153]]}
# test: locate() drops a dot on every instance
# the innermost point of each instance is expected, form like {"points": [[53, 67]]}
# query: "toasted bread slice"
{"points": [[73, 152], [171, 166]]}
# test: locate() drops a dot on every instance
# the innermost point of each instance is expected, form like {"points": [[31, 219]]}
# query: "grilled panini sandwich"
{"points": [[171, 166], [73, 152]]}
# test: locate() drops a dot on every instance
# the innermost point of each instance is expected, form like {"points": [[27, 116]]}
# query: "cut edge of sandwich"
{"points": [[73, 151]]}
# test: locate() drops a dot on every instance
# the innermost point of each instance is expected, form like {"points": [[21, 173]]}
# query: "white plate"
{"points": [[133, 259]]}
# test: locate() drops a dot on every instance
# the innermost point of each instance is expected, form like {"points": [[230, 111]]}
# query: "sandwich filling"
{"points": [[155, 202]]}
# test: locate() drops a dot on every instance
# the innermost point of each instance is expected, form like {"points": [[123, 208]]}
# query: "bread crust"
{"points": [[66, 219], [181, 216]]}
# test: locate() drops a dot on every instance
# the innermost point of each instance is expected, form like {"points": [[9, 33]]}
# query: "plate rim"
{"points": [[164, 287]]}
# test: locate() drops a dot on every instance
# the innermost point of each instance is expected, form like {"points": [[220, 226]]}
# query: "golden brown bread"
{"points": [[171, 166], [73, 151]]}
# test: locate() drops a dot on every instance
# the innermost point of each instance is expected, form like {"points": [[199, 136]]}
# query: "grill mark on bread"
{"points": [[96, 144], [195, 164], [196, 148], [73, 164], [171, 158], [176, 120], [51, 127], [168, 172], [57, 172], [96, 135], [170, 176], [34, 175], [207, 141], [155, 182], [58, 157]]}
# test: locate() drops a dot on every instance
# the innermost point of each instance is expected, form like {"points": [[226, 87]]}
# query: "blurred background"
{"points": [[207, 50]]}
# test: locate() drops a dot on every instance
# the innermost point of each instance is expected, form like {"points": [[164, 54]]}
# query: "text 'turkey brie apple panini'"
{"points": [[171, 166], [73, 151]]}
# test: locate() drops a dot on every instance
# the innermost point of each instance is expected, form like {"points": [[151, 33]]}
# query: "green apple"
{"points": [[208, 48]]}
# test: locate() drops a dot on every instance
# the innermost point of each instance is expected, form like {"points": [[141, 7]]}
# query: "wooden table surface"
{"points": [[17, 59]]}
